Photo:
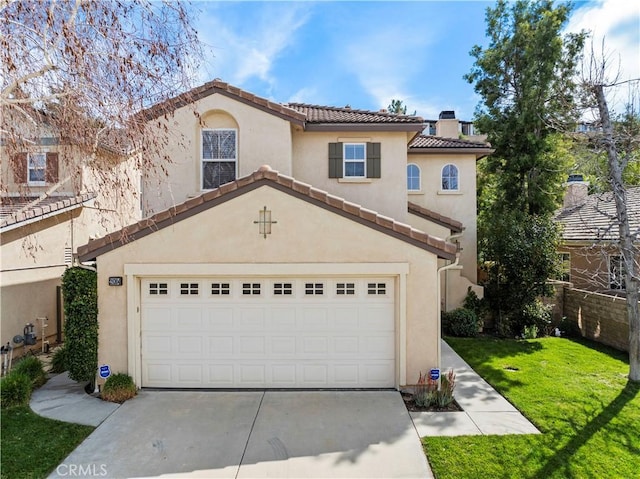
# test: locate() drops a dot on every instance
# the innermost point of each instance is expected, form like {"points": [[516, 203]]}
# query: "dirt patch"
{"points": [[411, 405]]}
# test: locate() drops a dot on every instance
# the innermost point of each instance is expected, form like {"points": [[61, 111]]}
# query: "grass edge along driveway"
{"points": [[576, 393], [32, 446]]}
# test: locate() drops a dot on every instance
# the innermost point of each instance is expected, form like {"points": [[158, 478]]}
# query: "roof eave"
{"points": [[363, 127], [478, 152]]}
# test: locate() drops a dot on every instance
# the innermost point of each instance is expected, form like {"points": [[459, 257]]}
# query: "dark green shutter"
{"points": [[335, 160], [373, 160]]}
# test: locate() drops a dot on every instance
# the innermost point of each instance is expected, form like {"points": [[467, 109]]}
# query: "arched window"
{"points": [[413, 177], [450, 178]]}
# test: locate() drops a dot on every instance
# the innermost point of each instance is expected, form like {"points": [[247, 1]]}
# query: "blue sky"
{"points": [[365, 53]]}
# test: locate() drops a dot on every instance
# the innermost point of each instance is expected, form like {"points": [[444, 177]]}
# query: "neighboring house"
{"points": [[51, 203], [318, 270], [590, 250]]}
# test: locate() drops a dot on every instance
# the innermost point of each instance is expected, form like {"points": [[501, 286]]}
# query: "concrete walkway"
{"points": [[485, 411]]}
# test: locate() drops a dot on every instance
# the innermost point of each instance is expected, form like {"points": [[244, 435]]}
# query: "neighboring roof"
{"points": [[453, 225], [218, 86], [595, 219], [16, 212], [328, 117], [265, 176], [428, 143]]}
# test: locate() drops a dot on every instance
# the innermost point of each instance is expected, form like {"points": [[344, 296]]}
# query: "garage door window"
{"points": [[280, 289], [189, 289], [313, 289], [251, 289], [220, 289], [345, 288], [158, 289], [377, 288]]}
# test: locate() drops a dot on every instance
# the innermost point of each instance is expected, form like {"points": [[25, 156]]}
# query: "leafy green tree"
{"points": [[525, 78], [523, 254], [398, 108]]}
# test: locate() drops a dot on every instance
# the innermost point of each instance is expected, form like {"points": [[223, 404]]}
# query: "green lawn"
{"points": [[32, 446], [575, 392]]}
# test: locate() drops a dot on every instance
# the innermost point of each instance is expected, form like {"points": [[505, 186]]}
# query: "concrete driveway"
{"points": [[253, 434]]}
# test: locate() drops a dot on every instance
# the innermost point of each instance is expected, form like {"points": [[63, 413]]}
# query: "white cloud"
{"points": [[384, 61], [617, 24], [246, 46]]}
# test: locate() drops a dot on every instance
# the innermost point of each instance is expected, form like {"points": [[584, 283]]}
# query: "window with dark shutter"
{"points": [[19, 167], [373, 160], [51, 175], [335, 160]]}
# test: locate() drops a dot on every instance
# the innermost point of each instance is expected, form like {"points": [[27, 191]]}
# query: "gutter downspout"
{"points": [[440, 270], [446, 275]]}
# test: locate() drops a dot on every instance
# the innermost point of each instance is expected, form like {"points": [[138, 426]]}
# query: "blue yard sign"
{"points": [[435, 374], [105, 371]]}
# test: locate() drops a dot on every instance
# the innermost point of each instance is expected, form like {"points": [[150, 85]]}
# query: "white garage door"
{"points": [[257, 332]]}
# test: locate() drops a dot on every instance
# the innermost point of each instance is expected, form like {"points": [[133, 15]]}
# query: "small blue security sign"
{"points": [[105, 371], [434, 374]]}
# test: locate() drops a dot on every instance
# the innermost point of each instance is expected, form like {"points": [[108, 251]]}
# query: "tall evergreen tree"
{"points": [[526, 80]]}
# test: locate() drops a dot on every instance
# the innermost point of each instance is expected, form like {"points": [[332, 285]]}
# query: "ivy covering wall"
{"points": [[79, 289]]}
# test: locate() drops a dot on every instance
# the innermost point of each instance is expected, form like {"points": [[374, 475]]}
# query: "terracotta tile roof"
{"points": [[266, 176], [453, 225], [15, 211], [595, 219], [330, 114], [218, 86], [427, 141]]}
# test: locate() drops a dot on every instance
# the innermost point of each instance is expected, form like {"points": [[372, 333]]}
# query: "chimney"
{"points": [[576, 191], [447, 125]]}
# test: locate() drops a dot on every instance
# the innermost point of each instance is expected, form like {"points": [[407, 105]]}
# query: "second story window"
{"points": [[37, 165], [354, 160], [219, 157], [450, 178], [413, 177]]}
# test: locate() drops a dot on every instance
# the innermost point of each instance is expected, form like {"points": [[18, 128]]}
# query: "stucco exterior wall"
{"points": [[68, 172], [304, 234], [386, 194], [262, 138], [459, 205], [590, 265], [33, 261]]}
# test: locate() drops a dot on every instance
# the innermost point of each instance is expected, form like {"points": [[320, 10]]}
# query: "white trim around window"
{"points": [[414, 178], [450, 178], [354, 160], [218, 157], [37, 169]]}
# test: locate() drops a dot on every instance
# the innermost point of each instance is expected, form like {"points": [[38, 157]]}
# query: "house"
{"points": [[590, 235], [51, 202], [287, 245]]}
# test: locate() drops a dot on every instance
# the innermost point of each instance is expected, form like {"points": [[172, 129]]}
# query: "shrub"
{"points": [[15, 389], [118, 388], [460, 322], [539, 315], [33, 369], [79, 288], [473, 303], [530, 332], [427, 394], [59, 360]]}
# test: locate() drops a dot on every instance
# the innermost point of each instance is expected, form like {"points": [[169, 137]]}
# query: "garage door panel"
{"points": [[283, 346], [270, 339], [219, 346], [219, 318]]}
